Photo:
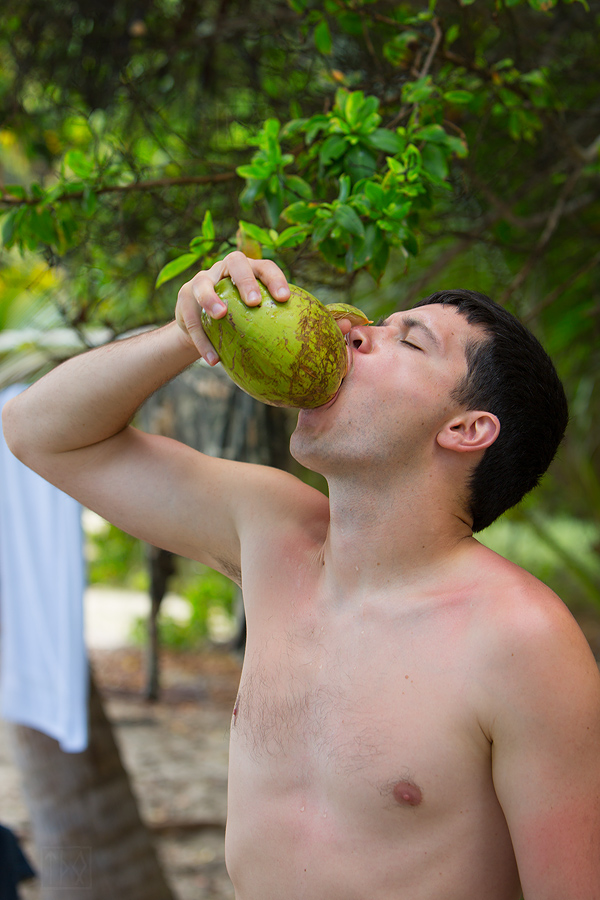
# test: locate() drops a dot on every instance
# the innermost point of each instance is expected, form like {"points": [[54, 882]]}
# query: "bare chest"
{"points": [[359, 700]]}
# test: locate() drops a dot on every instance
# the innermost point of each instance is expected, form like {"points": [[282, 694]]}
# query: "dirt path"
{"points": [[176, 754]]}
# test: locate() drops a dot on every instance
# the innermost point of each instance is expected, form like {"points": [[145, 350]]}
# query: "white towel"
{"points": [[43, 660]]}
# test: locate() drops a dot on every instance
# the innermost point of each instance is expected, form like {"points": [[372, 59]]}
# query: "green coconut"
{"points": [[283, 354]]}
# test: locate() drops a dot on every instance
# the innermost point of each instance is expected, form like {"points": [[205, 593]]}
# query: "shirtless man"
{"points": [[418, 719]]}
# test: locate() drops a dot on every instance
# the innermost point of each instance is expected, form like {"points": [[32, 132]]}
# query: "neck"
{"points": [[381, 535]]}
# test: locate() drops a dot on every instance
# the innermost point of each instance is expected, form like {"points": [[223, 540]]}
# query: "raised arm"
{"points": [[72, 427]]}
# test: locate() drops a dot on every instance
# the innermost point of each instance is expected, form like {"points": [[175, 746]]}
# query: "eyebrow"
{"points": [[411, 322]]}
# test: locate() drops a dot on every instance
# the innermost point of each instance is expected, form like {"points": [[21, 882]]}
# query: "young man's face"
{"points": [[396, 396]]}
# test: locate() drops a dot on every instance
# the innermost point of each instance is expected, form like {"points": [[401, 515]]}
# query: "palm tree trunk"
{"points": [[91, 842]]}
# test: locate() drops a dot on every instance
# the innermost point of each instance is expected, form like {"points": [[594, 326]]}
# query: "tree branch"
{"points": [[551, 225], [150, 185], [555, 294]]}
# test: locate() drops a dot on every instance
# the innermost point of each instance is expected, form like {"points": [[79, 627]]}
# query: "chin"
{"points": [[310, 450]]}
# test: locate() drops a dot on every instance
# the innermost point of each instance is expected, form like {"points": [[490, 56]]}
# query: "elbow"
{"points": [[13, 429]]}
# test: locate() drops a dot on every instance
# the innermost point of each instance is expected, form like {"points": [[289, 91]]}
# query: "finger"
{"points": [[273, 278], [240, 270], [188, 317], [202, 287], [245, 271], [344, 325]]}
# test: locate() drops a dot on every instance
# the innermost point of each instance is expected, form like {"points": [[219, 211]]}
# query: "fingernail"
{"points": [[211, 358], [282, 292], [253, 296], [217, 307]]}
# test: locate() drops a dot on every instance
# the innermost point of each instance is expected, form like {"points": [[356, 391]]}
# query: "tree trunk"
{"points": [[91, 842], [161, 565]]}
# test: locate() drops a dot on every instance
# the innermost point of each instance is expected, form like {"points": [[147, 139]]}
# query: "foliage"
{"points": [[408, 145], [115, 558], [209, 594], [561, 552]]}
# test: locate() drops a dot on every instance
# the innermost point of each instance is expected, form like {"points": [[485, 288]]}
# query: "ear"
{"points": [[473, 430]]}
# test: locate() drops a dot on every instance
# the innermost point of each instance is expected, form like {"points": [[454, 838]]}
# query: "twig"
{"points": [[151, 185], [437, 37], [551, 226], [441, 262], [553, 295]]}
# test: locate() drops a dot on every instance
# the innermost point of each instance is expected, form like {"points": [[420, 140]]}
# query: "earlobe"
{"points": [[474, 430]]}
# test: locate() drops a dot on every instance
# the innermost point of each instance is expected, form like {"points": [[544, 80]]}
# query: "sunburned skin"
{"points": [[348, 779]]}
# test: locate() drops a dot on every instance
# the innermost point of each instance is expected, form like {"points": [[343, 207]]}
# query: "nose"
{"points": [[360, 338]]}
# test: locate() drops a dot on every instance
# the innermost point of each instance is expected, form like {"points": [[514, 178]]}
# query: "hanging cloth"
{"points": [[43, 660]]}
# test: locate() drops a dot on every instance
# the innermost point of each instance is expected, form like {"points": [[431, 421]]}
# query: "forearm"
{"points": [[93, 396]]}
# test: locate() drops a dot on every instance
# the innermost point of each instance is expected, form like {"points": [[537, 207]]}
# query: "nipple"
{"points": [[407, 793]]}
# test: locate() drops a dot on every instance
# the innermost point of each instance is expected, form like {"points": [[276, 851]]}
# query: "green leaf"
{"points": [[322, 229], [176, 267], [274, 200], [345, 186], [89, 201], [15, 190], [334, 147], [255, 231], [254, 170], [458, 98], [271, 128], [341, 98], [348, 219], [42, 226], [379, 257], [410, 244], [208, 228], [314, 125], [9, 227], [375, 193], [79, 163], [200, 246], [360, 163], [368, 112], [291, 237], [360, 111], [433, 133], [399, 49], [300, 212], [296, 185], [452, 34], [388, 141], [417, 91], [323, 38]]}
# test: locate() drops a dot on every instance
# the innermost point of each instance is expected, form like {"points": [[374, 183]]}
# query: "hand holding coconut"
{"points": [[284, 354], [199, 294]]}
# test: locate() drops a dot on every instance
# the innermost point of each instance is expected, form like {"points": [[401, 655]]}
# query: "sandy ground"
{"points": [[175, 751]]}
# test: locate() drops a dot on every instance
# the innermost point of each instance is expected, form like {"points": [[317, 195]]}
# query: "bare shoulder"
{"points": [[534, 654]]}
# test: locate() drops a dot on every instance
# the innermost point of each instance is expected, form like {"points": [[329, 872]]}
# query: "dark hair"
{"points": [[510, 375]]}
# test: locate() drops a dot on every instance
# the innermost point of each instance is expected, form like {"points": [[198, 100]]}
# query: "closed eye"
{"points": [[414, 346]]}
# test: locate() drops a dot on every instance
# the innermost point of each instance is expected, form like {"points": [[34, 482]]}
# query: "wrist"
{"points": [[182, 342]]}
